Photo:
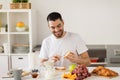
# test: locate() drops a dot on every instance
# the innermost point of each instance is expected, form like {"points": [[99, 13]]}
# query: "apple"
{"points": [[72, 67]]}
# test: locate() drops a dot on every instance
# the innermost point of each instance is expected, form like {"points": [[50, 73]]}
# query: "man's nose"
{"points": [[56, 29]]}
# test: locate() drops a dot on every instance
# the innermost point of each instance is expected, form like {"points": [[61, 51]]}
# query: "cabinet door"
{"points": [[3, 65], [20, 61]]}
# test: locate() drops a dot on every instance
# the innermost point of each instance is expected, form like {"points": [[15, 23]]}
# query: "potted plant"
{"points": [[19, 1], [15, 1], [25, 1], [20, 4]]}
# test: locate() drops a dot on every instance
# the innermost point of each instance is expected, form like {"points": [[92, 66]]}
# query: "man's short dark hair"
{"points": [[54, 16]]}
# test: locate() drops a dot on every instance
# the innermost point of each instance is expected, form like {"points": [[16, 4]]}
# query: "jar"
{"points": [[34, 73]]}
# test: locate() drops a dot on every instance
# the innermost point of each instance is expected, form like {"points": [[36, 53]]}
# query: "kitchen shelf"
{"points": [[2, 54], [19, 54], [8, 19], [3, 32], [19, 33], [12, 36]]}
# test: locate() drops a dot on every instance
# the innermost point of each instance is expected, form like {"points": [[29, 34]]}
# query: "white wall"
{"points": [[97, 21]]}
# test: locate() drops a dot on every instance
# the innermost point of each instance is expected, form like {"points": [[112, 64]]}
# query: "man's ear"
{"points": [[63, 22]]}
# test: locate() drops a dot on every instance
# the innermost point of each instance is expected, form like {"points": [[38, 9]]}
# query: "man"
{"points": [[57, 45]]}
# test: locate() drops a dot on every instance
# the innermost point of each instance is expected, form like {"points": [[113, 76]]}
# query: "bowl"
{"points": [[21, 48], [34, 74], [20, 29], [94, 59]]}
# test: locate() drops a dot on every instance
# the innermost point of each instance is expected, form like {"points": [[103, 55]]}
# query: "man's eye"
{"points": [[59, 26], [52, 27]]}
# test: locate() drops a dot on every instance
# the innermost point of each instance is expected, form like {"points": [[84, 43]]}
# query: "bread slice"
{"points": [[68, 54], [60, 68]]}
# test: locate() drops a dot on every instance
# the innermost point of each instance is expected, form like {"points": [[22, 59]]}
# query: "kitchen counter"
{"points": [[59, 74]]}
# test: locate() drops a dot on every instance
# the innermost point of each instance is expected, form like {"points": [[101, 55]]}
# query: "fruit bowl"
{"points": [[20, 29], [20, 26], [94, 59]]}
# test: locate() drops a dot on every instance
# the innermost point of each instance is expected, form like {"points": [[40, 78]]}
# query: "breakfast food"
{"points": [[25, 73], [80, 72], [60, 68], [72, 67], [67, 54], [102, 71], [69, 76], [20, 24]]}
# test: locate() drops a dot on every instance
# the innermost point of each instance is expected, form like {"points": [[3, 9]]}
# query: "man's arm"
{"points": [[83, 58], [43, 60]]}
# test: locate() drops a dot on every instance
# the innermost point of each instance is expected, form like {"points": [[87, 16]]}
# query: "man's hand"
{"points": [[71, 56], [56, 58]]}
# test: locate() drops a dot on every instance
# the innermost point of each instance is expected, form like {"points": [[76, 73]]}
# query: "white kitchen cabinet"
{"points": [[20, 61], [3, 64], [14, 41]]}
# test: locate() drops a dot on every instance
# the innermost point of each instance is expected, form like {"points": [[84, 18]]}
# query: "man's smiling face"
{"points": [[56, 27]]}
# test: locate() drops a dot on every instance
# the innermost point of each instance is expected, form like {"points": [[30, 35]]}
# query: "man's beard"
{"points": [[58, 34]]}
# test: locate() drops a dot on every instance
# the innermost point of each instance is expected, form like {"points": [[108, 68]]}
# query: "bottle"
{"points": [[6, 28], [6, 48]]}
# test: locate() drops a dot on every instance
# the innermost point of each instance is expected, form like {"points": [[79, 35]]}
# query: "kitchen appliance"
{"points": [[97, 56], [113, 55]]}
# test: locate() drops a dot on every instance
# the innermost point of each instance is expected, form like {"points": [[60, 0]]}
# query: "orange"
{"points": [[20, 24]]}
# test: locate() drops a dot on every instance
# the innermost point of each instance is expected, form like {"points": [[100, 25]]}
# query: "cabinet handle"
{"points": [[20, 58]]}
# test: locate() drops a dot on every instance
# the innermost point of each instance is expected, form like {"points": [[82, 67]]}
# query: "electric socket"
{"points": [[117, 52]]}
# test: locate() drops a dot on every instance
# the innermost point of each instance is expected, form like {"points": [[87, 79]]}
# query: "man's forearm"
{"points": [[43, 60], [85, 61]]}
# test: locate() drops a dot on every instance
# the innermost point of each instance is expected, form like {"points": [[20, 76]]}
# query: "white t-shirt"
{"points": [[70, 42]]}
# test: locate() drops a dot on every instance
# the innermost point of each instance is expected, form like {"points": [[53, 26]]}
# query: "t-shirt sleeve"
{"points": [[43, 50], [81, 46]]}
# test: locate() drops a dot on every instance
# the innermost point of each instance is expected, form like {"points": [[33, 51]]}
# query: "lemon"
{"points": [[72, 67]]}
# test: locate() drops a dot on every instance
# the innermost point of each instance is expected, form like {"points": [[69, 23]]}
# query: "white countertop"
{"points": [[58, 76]]}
